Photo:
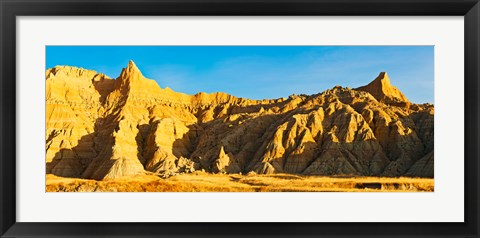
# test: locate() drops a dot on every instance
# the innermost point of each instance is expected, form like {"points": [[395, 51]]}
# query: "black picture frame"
{"points": [[10, 9]]}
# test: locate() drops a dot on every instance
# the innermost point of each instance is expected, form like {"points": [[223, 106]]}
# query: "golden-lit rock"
{"points": [[383, 91], [104, 128]]}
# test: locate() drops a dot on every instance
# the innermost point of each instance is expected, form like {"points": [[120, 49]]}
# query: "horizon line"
{"points": [[220, 92]]}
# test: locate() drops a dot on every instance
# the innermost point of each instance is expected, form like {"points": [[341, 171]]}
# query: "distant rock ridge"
{"points": [[101, 128]]}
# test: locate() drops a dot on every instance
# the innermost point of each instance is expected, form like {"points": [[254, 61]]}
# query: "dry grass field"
{"points": [[205, 182]]}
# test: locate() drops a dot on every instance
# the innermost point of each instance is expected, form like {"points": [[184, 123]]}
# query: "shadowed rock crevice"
{"points": [[72, 162]]}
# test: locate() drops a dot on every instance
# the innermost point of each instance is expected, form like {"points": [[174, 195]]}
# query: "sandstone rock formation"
{"points": [[383, 91], [104, 128]]}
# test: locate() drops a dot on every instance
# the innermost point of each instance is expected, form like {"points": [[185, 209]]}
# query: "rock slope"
{"points": [[103, 128]]}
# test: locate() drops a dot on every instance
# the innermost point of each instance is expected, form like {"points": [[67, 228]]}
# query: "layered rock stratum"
{"points": [[102, 128]]}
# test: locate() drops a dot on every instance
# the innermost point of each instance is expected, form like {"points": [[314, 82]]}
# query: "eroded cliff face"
{"points": [[103, 128]]}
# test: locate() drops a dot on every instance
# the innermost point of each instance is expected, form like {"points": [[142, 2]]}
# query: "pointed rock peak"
{"points": [[131, 68], [130, 74], [383, 75], [132, 65], [383, 90], [383, 79], [222, 151]]}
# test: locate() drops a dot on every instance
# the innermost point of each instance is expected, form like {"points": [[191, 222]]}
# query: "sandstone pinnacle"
{"points": [[383, 90], [130, 73]]}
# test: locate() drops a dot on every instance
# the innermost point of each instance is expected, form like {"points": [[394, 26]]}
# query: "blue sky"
{"points": [[259, 72]]}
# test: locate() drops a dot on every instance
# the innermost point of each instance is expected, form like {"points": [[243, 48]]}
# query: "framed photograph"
{"points": [[246, 119]]}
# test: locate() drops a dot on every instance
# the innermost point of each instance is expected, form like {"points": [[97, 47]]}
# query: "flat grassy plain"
{"points": [[205, 182]]}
